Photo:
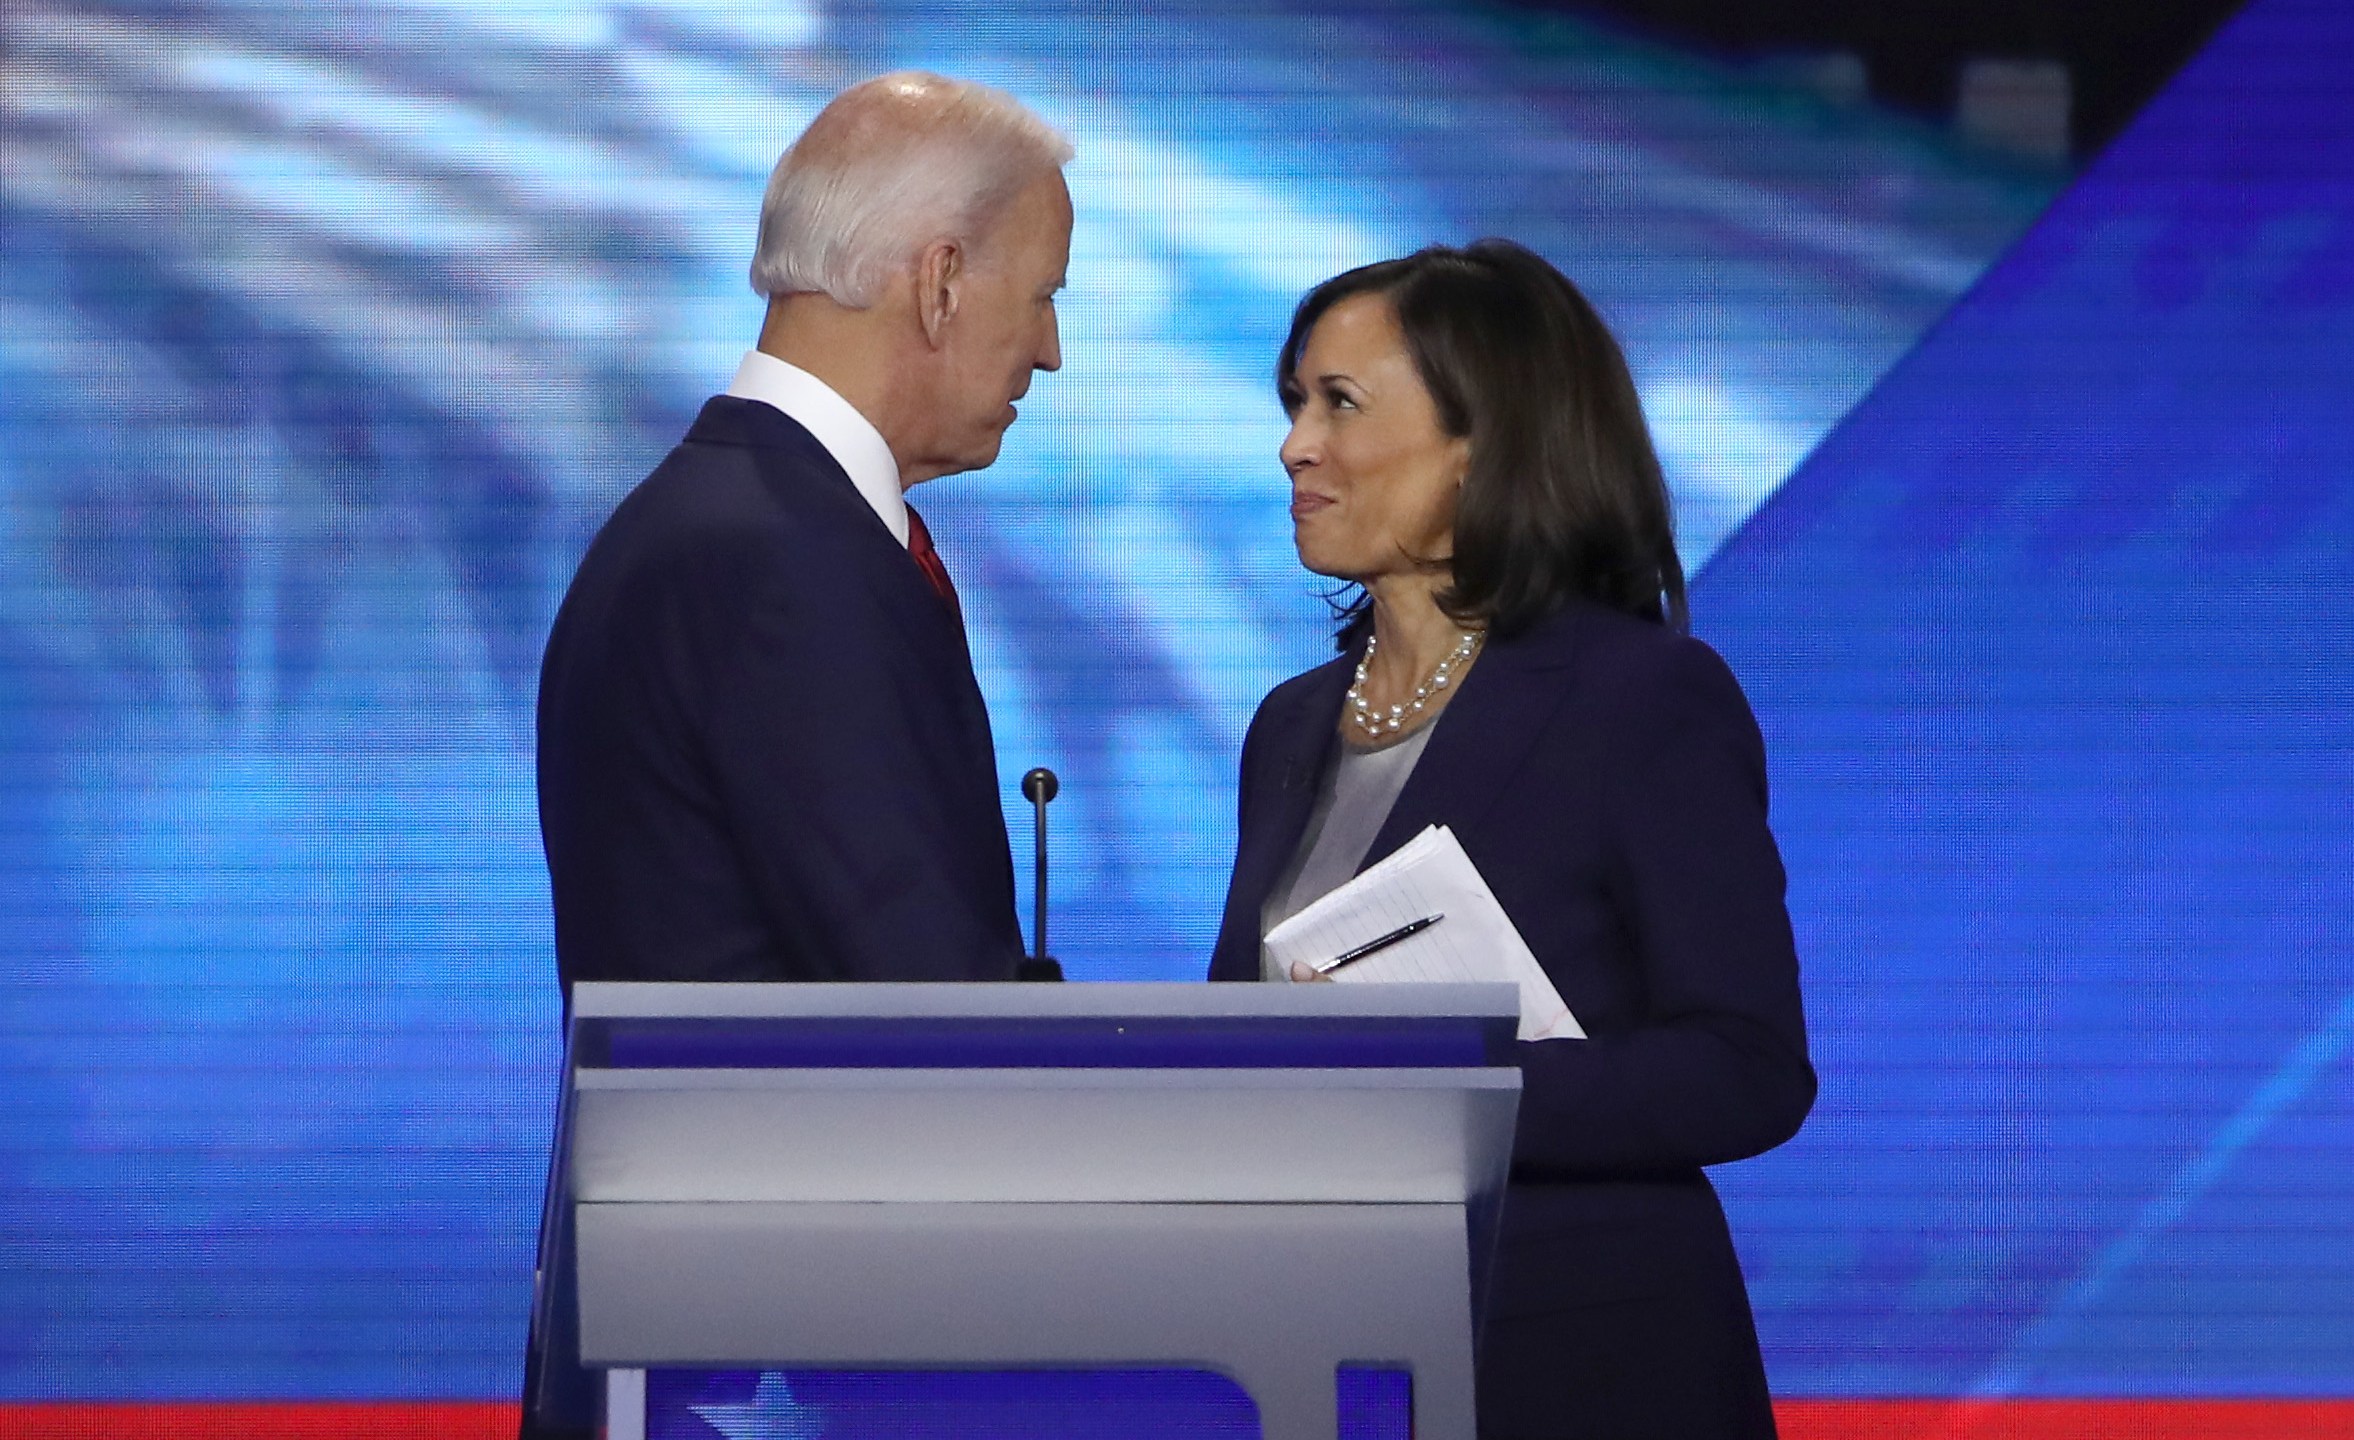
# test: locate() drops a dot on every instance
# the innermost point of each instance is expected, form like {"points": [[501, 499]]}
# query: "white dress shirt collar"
{"points": [[856, 445]]}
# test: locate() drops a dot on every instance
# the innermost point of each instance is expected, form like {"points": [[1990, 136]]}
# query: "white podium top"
{"points": [[703, 1000], [1125, 1094]]}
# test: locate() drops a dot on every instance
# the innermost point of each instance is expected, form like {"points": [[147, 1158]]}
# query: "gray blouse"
{"points": [[1352, 800]]}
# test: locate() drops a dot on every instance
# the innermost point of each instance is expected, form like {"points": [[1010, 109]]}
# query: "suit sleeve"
{"points": [[1716, 1069]]}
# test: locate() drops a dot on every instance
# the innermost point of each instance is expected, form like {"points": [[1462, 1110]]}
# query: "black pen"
{"points": [[1379, 943]]}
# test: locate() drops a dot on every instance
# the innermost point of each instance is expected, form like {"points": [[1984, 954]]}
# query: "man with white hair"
{"points": [[762, 751]]}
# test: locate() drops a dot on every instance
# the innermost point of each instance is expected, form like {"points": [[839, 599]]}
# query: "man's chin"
{"points": [[979, 457]]}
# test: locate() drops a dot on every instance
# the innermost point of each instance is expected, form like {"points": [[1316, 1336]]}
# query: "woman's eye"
{"points": [[1339, 401]]}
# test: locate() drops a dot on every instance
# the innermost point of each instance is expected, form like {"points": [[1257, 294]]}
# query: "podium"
{"points": [[1266, 1181]]}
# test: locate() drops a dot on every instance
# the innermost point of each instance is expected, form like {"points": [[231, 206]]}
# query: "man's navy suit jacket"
{"points": [[1608, 779], [762, 752]]}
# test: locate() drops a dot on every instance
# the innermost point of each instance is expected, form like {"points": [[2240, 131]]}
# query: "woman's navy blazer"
{"points": [[1608, 779]]}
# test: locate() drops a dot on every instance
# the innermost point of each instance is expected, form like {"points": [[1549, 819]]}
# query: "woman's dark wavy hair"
{"points": [[1564, 495]]}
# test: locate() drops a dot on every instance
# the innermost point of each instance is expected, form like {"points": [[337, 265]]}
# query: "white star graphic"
{"points": [[771, 1414]]}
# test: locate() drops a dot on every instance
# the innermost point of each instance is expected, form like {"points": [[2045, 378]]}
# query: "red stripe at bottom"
{"points": [[265, 1421], [1800, 1420], [2066, 1419]]}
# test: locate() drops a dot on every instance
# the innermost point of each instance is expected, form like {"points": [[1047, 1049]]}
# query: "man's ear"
{"points": [[939, 275]]}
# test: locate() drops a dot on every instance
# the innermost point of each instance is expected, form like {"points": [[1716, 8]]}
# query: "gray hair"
{"points": [[889, 166]]}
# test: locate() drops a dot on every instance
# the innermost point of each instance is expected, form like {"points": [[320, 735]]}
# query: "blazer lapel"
{"points": [[794, 465], [1301, 743], [1483, 735]]}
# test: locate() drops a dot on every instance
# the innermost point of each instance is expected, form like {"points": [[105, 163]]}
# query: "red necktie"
{"points": [[919, 547]]}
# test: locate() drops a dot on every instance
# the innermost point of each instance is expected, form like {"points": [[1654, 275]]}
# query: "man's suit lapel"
{"points": [[1483, 735], [805, 475]]}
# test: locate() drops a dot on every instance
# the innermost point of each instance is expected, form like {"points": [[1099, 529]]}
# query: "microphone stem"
{"points": [[1038, 925]]}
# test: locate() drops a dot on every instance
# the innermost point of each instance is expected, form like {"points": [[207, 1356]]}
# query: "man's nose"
{"points": [[1050, 355]]}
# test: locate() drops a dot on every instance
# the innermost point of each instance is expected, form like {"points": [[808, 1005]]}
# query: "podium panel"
{"points": [[1238, 1136], [1269, 1182], [1061, 1286]]}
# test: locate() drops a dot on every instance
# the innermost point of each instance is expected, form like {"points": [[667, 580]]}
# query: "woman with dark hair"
{"points": [[1467, 447]]}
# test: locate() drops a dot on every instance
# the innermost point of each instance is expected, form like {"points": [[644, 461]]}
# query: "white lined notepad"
{"points": [[1428, 875]]}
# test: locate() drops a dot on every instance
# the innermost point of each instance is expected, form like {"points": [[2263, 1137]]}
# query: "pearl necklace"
{"points": [[1373, 721]]}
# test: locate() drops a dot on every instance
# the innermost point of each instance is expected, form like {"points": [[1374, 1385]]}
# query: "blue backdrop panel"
{"points": [[328, 334], [2052, 649], [332, 331]]}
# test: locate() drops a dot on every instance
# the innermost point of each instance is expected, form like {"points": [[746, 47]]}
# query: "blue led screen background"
{"points": [[332, 332], [2051, 645]]}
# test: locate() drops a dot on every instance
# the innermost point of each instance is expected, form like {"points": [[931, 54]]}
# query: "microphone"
{"points": [[1038, 787]]}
